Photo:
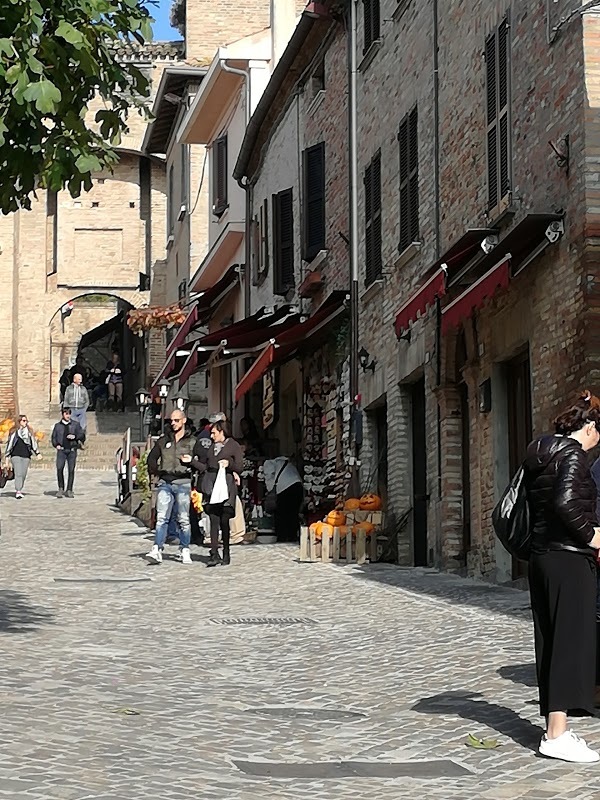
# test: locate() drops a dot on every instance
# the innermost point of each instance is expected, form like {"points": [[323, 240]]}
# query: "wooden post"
{"points": [[325, 547], [304, 545], [313, 545], [361, 547], [336, 545]]}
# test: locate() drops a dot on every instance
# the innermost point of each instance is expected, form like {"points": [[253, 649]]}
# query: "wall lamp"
{"points": [[363, 360]]}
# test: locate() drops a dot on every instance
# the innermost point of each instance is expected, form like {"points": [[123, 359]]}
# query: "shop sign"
{"points": [[268, 406]]}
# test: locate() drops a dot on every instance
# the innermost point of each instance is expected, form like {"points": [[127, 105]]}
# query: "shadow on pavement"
{"points": [[465, 705], [450, 588], [519, 673], [17, 615]]}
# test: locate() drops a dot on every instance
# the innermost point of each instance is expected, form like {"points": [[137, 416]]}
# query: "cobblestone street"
{"points": [[122, 681]]}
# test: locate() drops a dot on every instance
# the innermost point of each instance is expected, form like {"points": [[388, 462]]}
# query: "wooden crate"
{"points": [[335, 550]]}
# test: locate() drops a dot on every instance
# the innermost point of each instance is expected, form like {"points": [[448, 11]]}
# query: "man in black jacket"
{"points": [[67, 436], [170, 459]]}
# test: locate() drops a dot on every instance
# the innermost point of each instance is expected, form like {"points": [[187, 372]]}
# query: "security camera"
{"points": [[488, 244], [555, 230]]}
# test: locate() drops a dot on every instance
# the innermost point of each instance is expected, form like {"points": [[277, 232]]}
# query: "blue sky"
{"points": [[162, 29]]}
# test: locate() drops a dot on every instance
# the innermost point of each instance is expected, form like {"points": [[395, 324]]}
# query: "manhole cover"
{"points": [[262, 621], [318, 714], [353, 769], [103, 580]]}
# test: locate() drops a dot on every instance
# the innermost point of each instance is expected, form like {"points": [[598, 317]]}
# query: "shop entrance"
{"points": [[465, 443], [419, 474], [518, 396]]}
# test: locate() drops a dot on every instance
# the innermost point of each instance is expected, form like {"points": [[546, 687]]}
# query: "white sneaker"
{"points": [[568, 747], [185, 555], [154, 556]]}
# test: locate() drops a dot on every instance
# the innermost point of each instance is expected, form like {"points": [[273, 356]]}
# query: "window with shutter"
{"points": [[372, 22], [264, 241], [409, 179], [220, 176], [497, 61], [171, 202], [313, 228], [283, 246], [373, 260]]}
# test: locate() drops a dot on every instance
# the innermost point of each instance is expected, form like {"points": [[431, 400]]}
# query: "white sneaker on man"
{"points": [[154, 556], [185, 556], [568, 747]]}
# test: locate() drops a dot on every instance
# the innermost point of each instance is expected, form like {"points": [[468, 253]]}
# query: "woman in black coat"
{"points": [[562, 574], [223, 452]]}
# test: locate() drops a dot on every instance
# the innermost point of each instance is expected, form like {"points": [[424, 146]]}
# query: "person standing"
{"points": [[114, 381], [562, 574], [67, 436], [64, 381], [21, 446], [170, 460], [227, 454], [77, 400], [283, 477]]}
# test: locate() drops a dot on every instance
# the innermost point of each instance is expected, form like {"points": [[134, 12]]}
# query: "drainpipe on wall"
{"points": [[353, 216]]}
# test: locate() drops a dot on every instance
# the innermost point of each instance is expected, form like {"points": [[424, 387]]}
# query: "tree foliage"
{"points": [[56, 57]]}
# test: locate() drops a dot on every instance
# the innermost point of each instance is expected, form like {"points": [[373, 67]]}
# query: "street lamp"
{"points": [[142, 399], [181, 400], [164, 386]]}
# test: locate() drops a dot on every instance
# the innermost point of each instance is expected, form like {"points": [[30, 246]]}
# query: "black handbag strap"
{"points": [[285, 463]]}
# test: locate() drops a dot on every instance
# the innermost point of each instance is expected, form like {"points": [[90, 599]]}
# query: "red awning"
{"points": [[262, 320], [420, 301], [296, 337], [475, 296], [190, 366], [210, 300]]}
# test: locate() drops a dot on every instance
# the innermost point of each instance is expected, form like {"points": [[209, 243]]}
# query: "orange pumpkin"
{"points": [[322, 529], [336, 518], [352, 504], [366, 527], [345, 530], [370, 502]]}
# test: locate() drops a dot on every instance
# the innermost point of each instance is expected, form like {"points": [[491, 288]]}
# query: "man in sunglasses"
{"points": [[67, 436]]}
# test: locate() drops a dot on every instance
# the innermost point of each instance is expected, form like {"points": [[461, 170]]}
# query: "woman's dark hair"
{"points": [[252, 429], [225, 427], [584, 410]]}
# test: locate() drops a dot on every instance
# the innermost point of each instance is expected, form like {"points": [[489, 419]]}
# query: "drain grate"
{"points": [[443, 768], [102, 580], [318, 714], [262, 621]]}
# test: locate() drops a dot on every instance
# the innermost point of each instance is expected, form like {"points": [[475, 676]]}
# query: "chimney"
{"points": [[283, 23]]}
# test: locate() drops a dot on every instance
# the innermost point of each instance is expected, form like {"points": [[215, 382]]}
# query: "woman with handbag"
{"points": [[219, 465], [562, 574], [22, 445]]}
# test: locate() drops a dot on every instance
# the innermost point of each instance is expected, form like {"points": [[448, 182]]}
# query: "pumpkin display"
{"points": [[365, 527], [370, 502], [336, 518], [352, 504], [322, 529], [345, 530]]}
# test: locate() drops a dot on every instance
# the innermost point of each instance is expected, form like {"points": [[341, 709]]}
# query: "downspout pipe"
{"points": [[243, 184]]}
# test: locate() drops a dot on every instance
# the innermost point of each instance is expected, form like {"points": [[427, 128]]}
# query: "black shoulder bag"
{"points": [[270, 499]]}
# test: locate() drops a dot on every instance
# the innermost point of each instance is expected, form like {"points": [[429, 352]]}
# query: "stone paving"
{"points": [[121, 681]]}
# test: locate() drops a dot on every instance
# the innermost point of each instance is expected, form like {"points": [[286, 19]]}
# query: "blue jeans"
{"points": [[79, 415], [173, 497]]}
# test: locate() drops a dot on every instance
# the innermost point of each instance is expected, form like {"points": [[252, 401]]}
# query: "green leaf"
{"points": [[88, 163], [6, 47], [481, 744], [3, 131], [12, 74], [45, 95], [67, 32], [35, 65]]}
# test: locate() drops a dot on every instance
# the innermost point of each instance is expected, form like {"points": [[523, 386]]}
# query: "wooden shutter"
{"points": [[373, 261], [372, 22], [497, 60], [409, 179], [314, 201], [220, 175], [283, 257]]}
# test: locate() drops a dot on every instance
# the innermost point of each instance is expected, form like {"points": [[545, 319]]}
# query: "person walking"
{"points": [[224, 453], [170, 460], [67, 436], [562, 574], [114, 382], [282, 477], [77, 400], [21, 446]]}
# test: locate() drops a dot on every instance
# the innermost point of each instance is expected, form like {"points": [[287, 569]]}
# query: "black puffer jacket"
{"points": [[562, 495]]}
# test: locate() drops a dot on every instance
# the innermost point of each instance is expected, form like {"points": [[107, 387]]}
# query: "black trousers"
{"points": [[220, 515], [68, 457], [563, 602], [287, 513]]}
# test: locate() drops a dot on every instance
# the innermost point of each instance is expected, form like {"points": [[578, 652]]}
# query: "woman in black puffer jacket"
{"points": [[562, 574]]}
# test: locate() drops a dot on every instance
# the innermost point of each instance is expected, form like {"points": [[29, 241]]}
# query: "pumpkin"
{"points": [[366, 527], [352, 504], [370, 502], [336, 518], [322, 529], [345, 530]]}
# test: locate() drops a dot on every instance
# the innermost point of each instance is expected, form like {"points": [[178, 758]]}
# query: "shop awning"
{"points": [[421, 300], [180, 337], [299, 337], [251, 328], [475, 296], [111, 325], [190, 366], [212, 298]]}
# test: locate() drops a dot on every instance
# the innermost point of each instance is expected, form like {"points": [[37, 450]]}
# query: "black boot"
{"points": [[214, 560], [226, 557]]}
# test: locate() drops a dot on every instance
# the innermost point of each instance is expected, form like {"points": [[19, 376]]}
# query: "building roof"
{"points": [[151, 51], [304, 43], [166, 106]]}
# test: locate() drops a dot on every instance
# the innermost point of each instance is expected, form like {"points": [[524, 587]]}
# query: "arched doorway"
{"points": [[87, 330]]}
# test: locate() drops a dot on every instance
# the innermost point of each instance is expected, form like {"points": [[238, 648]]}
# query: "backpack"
{"points": [[511, 518]]}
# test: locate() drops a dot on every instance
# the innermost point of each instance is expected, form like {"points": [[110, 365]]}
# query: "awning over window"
{"points": [[420, 301], [475, 296], [253, 330], [302, 336], [211, 299]]}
